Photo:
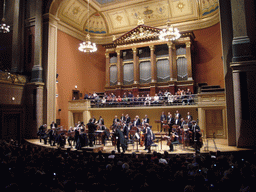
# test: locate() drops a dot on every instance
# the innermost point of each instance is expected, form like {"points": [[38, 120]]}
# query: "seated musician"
{"points": [[182, 122], [82, 139], [101, 121], [61, 140], [71, 137], [52, 136], [42, 132]]}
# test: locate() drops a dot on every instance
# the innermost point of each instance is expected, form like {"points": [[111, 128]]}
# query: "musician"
{"points": [[93, 119], [177, 114], [121, 141], [182, 122], [126, 129], [115, 120], [189, 117], [82, 139], [61, 140], [136, 121], [122, 118], [145, 120], [53, 125], [52, 136], [71, 137], [148, 138], [91, 129], [128, 119], [170, 122], [196, 135], [41, 132], [101, 121], [162, 119], [177, 121]]}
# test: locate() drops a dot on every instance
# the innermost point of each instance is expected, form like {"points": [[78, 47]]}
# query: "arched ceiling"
{"points": [[116, 17]]}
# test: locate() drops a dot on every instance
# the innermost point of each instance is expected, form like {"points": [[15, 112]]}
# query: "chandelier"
{"points": [[87, 46], [169, 33], [4, 28]]}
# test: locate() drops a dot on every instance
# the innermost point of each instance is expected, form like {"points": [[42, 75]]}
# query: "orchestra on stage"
{"points": [[175, 129]]}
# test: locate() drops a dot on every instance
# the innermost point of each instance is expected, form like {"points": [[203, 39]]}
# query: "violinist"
{"points": [[115, 120], [146, 119], [170, 122], [101, 121], [136, 121], [122, 118]]}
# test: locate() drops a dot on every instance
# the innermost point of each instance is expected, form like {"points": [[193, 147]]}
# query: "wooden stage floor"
{"points": [[221, 145]]}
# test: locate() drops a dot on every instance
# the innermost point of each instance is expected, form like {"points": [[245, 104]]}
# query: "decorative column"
{"points": [[16, 38], [153, 64], [136, 68], [174, 63], [172, 67], [50, 63], [37, 70], [107, 70], [189, 61], [244, 72], [119, 80]]}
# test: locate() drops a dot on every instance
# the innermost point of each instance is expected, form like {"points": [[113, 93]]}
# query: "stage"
{"points": [[220, 145]]}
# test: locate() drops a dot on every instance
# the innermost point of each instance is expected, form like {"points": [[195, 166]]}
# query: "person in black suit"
{"points": [[41, 132], [122, 118], [91, 129], [128, 119], [121, 141], [162, 119], [196, 136], [136, 121], [53, 125], [170, 122], [177, 121], [189, 117], [177, 114], [101, 121], [146, 119], [115, 120], [93, 119]]}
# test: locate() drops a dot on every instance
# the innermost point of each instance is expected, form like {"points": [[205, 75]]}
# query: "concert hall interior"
{"points": [[45, 78], [182, 72]]}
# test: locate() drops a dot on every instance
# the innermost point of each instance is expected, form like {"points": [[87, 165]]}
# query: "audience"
{"points": [[181, 97], [27, 168]]}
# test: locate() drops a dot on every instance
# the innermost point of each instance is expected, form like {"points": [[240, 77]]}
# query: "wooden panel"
{"points": [[214, 123]]}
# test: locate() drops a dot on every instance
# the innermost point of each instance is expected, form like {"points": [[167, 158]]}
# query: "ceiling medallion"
{"points": [[169, 33], [180, 6]]}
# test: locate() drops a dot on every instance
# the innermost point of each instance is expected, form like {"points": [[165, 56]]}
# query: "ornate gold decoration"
{"points": [[140, 34], [180, 6], [76, 10], [152, 47], [107, 55], [114, 37], [119, 18], [140, 21], [188, 44], [134, 49]]}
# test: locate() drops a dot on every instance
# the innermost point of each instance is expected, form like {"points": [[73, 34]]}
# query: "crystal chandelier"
{"points": [[4, 28], [87, 46], [169, 33]]}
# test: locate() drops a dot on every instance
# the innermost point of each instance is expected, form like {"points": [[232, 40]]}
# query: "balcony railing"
{"points": [[145, 101]]}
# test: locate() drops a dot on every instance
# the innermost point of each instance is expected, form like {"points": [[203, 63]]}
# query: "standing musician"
{"points": [[91, 129], [127, 119], [177, 121], [189, 117], [115, 120], [122, 118], [148, 138], [93, 119], [145, 120], [53, 125], [101, 121], [121, 141], [170, 122], [177, 114], [196, 136], [136, 121], [162, 119]]}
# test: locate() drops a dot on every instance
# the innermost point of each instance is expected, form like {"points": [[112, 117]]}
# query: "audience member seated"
{"points": [[147, 100]]}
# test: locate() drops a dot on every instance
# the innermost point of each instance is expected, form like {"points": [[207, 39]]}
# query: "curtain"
{"points": [[128, 74], [145, 72], [163, 70], [113, 74], [182, 71]]}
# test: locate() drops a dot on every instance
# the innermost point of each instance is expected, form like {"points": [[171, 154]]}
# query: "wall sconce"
{"points": [[13, 98], [75, 86]]}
